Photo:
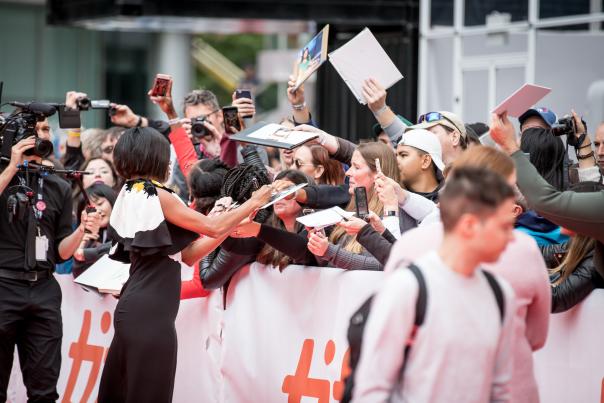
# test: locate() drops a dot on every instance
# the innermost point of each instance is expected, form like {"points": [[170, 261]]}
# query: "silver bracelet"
{"points": [[174, 121], [299, 107]]}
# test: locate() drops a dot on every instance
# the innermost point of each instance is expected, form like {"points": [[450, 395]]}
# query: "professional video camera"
{"points": [[21, 124]]}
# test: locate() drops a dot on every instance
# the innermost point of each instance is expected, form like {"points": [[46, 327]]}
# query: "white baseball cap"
{"points": [[426, 141]]}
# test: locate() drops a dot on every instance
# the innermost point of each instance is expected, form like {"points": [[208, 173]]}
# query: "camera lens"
{"points": [[83, 104], [250, 156], [198, 129], [43, 148], [564, 126]]}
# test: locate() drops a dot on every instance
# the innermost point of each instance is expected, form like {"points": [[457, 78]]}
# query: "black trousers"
{"points": [[30, 318]]}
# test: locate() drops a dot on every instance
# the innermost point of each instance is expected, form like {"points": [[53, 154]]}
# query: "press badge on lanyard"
{"points": [[41, 247], [40, 206]]}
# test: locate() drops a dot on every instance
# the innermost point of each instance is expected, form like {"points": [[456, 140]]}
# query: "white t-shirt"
{"points": [[461, 353]]}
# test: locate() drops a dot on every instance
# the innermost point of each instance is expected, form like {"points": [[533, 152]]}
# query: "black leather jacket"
{"points": [[583, 280], [236, 253]]}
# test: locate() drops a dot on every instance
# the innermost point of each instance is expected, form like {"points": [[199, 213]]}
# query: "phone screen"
{"points": [[231, 118], [160, 85], [100, 104], [243, 94], [360, 195]]}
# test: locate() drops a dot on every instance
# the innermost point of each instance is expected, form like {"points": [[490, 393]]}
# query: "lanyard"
{"points": [[40, 205]]}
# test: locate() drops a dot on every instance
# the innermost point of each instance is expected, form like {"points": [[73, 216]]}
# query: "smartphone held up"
{"points": [[231, 119], [247, 94], [360, 196], [161, 84]]}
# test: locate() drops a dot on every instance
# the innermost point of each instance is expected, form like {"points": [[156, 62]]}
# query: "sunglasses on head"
{"points": [[435, 117]]}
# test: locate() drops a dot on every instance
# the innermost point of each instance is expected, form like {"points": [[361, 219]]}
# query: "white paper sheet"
{"points": [[275, 132], [361, 58], [324, 218], [521, 100], [105, 275], [283, 194]]}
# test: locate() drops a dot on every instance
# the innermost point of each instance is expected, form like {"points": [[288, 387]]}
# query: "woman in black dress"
{"points": [[154, 231]]}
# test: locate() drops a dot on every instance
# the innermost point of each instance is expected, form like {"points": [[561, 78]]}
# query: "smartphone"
{"points": [[160, 85], [231, 119], [243, 94], [360, 196]]}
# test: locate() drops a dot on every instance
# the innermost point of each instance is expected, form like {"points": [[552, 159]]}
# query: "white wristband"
{"points": [[381, 110]]}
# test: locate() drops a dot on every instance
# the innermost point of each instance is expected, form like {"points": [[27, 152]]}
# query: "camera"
{"points": [[251, 157], [84, 104], [198, 129], [564, 127], [17, 205], [21, 124]]}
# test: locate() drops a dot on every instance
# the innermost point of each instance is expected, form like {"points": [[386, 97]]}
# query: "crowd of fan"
{"points": [[558, 243]]}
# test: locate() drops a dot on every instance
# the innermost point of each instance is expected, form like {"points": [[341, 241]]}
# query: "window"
{"points": [[476, 11]]}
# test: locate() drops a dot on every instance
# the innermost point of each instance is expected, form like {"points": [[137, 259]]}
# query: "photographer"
{"points": [[212, 139], [34, 235], [578, 212]]}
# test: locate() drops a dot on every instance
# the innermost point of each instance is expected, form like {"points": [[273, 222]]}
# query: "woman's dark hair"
{"points": [[305, 54], [205, 182], [333, 173], [546, 153], [269, 255], [95, 192], [240, 182], [142, 152]]}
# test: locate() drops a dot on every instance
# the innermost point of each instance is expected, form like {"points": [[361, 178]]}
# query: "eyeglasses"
{"points": [[298, 164], [435, 117], [209, 114], [107, 150]]}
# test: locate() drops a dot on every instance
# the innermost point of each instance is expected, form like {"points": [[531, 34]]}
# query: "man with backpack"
{"points": [[441, 330]]}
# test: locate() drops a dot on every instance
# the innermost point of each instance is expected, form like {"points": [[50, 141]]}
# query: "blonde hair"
{"points": [[370, 152], [486, 157], [578, 248], [92, 142]]}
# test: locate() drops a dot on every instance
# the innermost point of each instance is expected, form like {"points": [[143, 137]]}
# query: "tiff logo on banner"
{"points": [[301, 385], [80, 352]]}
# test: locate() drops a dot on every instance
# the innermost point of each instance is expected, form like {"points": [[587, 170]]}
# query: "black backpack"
{"points": [[359, 319]]}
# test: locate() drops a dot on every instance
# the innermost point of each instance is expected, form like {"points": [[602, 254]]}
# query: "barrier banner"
{"points": [[282, 338], [570, 368], [87, 334]]}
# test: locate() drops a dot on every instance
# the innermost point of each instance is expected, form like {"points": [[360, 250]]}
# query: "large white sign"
{"points": [[282, 338]]}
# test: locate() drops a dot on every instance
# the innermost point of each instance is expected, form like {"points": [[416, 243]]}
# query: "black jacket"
{"points": [[583, 280], [379, 245], [238, 252]]}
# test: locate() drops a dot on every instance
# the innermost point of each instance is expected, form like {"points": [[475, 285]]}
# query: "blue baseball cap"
{"points": [[548, 116]]}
